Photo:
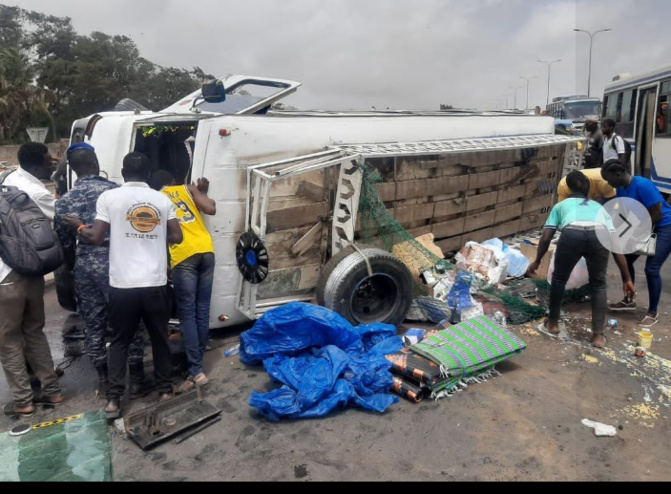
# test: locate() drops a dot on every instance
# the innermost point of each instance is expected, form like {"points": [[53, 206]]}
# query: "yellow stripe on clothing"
{"points": [[197, 239]]}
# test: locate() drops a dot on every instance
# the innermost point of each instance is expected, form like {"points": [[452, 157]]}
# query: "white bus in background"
{"points": [[636, 103], [577, 109]]}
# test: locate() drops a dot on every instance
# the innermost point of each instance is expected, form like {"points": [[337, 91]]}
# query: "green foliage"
{"points": [[63, 76]]}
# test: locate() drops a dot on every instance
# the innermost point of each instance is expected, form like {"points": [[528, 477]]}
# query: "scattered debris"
{"points": [[599, 428]]}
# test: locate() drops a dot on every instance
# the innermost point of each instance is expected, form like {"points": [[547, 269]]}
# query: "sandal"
{"points": [[10, 410], [649, 321], [605, 342], [191, 382]]}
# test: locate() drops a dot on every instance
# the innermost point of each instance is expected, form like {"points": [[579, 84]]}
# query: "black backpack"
{"points": [[627, 148], [28, 244]]}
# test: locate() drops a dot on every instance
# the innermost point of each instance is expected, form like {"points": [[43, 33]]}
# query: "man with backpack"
{"points": [[22, 295], [614, 146]]}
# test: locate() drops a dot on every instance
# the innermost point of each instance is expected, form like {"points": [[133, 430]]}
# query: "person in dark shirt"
{"points": [[594, 152]]}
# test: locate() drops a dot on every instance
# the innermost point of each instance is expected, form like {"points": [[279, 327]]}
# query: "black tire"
{"points": [[328, 269], [363, 299]]}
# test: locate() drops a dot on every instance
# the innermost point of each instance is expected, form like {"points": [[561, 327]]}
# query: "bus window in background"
{"points": [[661, 117]]}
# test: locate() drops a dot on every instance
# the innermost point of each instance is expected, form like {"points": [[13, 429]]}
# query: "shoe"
{"points": [[50, 400], [14, 410], [648, 321], [113, 409], [622, 305], [163, 397], [192, 382], [103, 386], [139, 389]]}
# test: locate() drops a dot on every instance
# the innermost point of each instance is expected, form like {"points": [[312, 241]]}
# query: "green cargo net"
{"points": [[378, 227]]}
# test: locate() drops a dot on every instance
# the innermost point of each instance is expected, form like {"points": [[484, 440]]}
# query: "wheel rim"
{"points": [[374, 298]]}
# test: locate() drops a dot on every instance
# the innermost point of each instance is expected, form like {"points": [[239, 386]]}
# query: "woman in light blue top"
{"points": [[579, 220]]}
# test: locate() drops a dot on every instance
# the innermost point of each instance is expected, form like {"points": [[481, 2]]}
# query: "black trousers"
{"points": [[574, 244], [126, 308]]}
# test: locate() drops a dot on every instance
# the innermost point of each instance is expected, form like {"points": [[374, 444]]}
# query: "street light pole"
{"points": [[528, 79], [591, 40], [549, 64], [515, 99]]}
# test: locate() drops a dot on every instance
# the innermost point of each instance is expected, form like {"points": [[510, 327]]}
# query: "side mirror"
{"points": [[213, 91]]}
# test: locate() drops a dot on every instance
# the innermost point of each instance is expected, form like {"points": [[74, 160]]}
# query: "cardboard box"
{"points": [[408, 253], [529, 248]]}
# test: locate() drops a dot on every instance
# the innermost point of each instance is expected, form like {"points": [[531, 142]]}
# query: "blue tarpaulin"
{"points": [[321, 360]]}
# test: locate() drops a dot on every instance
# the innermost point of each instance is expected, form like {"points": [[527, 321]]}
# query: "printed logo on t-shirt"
{"points": [[143, 217]]}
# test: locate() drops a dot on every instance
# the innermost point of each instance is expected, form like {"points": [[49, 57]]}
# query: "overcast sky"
{"points": [[401, 54]]}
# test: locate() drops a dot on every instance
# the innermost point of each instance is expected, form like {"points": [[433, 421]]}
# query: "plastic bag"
{"points": [[579, 276], [487, 261]]}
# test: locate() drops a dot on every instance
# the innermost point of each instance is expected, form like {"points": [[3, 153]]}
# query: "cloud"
{"points": [[390, 53]]}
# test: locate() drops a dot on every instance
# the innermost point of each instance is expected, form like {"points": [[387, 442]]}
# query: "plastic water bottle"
{"points": [[234, 350], [645, 338]]}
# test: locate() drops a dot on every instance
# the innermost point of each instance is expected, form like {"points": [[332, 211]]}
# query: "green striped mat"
{"points": [[469, 348]]}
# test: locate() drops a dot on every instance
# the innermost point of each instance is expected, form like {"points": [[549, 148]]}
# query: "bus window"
{"points": [[612, 106], [662, 109], [626, 124]]}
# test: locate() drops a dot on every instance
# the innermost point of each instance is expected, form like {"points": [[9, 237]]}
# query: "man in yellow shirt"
{"points": [[192, 263], [599, 190]]}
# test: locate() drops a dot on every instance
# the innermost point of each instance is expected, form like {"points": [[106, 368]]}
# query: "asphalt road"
{"points": [[524, 425]]}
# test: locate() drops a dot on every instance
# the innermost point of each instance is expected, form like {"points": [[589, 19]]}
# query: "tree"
{"points": [[19, 97], [67, 76]]}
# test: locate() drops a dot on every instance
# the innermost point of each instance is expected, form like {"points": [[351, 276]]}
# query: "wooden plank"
{"points": [[532, 221], [308, 241], [414, 168], [286, 202], [289, 281], [478, 221], [481, 200], [479, 236], [448, 228], [480, 180], [430, 187], [510, 193], [311, 191], [446, 208], [294, 262], [422, 230], [479, 158], [450, 244], [386, 191], [506, 229], [416, 212], [538, 203], [279, 243], [508, 212], [288, 218]]}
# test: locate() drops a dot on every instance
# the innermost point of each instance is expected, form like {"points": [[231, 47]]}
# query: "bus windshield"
{"points": [[581, 109]]}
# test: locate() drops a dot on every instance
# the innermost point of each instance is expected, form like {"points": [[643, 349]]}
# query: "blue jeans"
{"points": [[653, 266], [192, 279]]}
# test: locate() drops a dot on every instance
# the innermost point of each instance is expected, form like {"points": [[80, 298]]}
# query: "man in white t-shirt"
{"points": [[613, 145], [141, 223], [22, 301]]}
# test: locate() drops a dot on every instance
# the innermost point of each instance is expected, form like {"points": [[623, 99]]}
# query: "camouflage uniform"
{"points": [[92, 269]]}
